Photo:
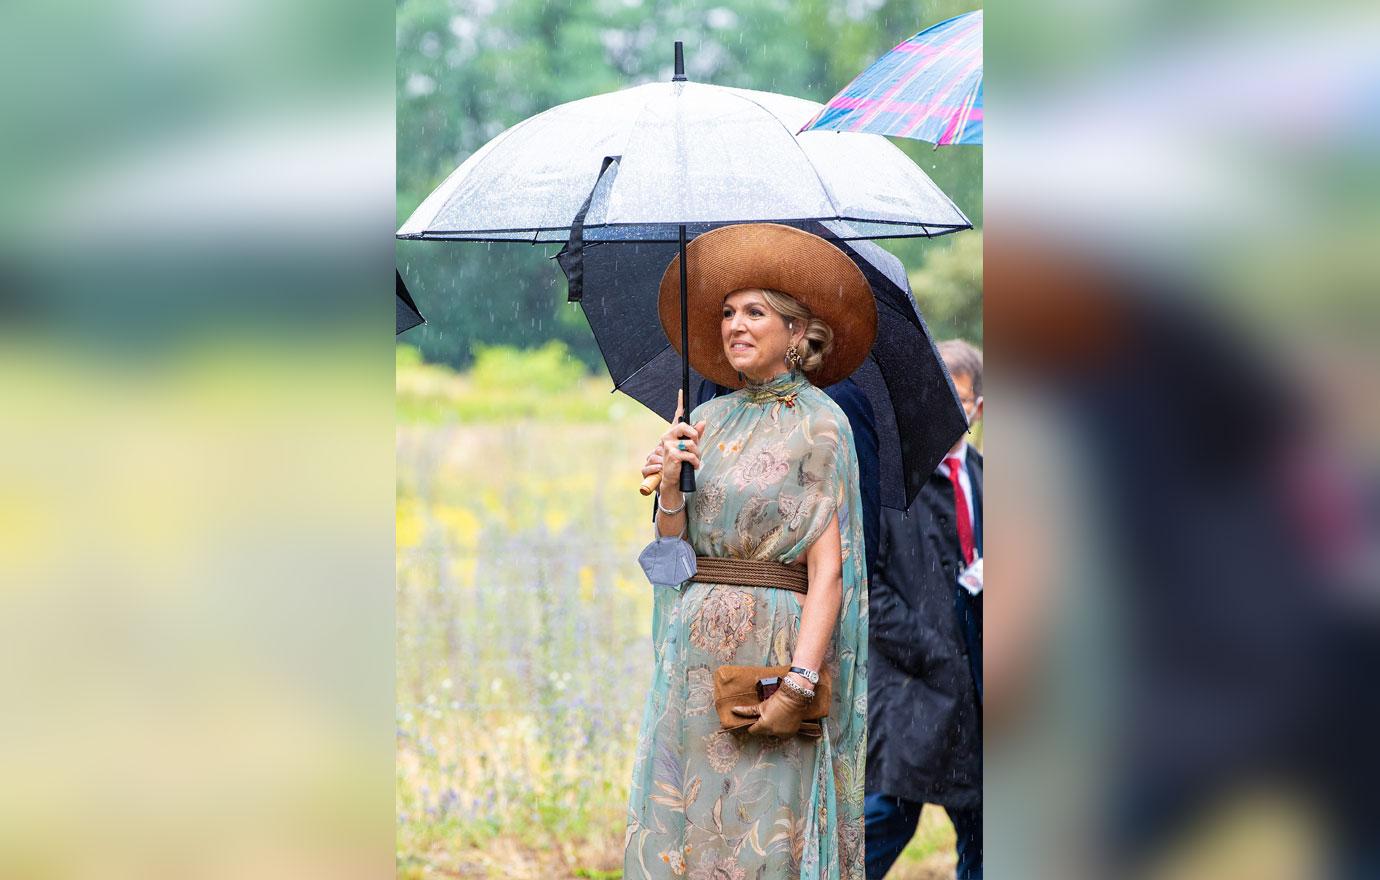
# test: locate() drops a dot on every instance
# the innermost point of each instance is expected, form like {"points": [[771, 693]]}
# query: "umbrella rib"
{"points": [[504, 135], [968, 111], [628, 378], [622, 149], [795, 140], [928, 231], [895, 310]]}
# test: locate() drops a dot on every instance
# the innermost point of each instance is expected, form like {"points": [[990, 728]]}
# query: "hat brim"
{"points": [[774, 257]]}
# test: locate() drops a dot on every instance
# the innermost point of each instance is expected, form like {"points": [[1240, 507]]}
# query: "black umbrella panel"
{"points": [[408, 316]]}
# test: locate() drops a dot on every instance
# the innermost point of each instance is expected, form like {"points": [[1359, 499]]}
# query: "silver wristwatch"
{"points": [[808, 674]]}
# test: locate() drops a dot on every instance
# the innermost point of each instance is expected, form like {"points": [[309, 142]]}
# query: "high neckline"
{"points": [[782, 387]]}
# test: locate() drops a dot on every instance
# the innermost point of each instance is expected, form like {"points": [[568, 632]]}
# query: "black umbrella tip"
{"points": [[680, 63]]}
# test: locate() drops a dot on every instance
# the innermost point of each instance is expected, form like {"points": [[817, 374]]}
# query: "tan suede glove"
{"points": [[782, 714]]}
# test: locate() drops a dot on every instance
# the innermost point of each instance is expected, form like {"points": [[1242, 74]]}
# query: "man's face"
{"points": [[972, 404]]}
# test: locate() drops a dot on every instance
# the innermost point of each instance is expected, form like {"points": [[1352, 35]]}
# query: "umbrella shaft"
{"points": [[684, 331], [687, 474]]}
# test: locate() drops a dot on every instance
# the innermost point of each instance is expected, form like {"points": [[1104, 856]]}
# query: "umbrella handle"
{"points": [[652, 483]]}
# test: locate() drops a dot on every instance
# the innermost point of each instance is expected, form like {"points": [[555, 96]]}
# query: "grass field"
{"points": [[523, 623]]}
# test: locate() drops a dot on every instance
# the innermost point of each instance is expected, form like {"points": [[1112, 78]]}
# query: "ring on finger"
{"points": [[681, 446]]}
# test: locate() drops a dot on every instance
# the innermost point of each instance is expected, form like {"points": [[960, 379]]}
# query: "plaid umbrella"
{"points": [[928, 88]]}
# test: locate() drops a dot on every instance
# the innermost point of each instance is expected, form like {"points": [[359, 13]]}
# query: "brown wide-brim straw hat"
{"points": [[774, 257]]}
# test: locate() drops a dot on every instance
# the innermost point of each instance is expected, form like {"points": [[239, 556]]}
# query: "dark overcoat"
{"points": [[924, 717]]}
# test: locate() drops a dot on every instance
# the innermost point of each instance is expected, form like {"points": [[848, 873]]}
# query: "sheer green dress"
{"points": [[777, 464]]}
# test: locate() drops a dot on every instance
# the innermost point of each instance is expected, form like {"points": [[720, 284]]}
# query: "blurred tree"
{"points": [[948, 287], [468, 69]]}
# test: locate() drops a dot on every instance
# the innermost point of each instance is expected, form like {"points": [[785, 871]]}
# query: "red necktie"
{"points": [[965, 525]]}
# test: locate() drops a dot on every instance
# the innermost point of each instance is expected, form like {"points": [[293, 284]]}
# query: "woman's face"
{"points": [[755, 336]]}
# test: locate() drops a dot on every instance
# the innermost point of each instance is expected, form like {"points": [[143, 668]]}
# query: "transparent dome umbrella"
{"points": [[916, 409], [663, 162], [408, 316]]}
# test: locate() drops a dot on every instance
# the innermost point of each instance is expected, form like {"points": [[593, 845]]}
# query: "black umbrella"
{"points": [[408, 316], [917, 411]]}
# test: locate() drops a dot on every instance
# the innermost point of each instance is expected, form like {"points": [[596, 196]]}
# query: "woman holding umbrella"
{"points": [[732, 788]]}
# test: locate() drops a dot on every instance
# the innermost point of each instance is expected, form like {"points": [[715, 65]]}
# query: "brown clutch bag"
{"points": [[737, 686]]}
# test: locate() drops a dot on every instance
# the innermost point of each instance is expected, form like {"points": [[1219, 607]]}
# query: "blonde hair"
{"points": [[819, 336]]}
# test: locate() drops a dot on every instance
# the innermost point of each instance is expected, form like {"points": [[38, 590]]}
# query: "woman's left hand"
{"points": [[782, 714], [654, 461]]}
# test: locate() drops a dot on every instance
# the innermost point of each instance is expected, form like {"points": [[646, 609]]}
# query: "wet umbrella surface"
{"points": [[679, 153]]}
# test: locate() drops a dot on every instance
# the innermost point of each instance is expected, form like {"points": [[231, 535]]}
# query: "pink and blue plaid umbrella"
{"points": [[928, 88]]}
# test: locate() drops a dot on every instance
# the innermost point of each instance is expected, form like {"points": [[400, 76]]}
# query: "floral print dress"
{"points": [[777, 463]]}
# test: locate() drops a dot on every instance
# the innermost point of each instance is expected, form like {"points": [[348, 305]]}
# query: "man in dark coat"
{"points": [[925, 653]]}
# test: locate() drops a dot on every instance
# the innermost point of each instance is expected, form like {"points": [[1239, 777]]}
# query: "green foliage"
{"points": [[465, 72], [406, 356], [545, 384], [949, 287], [548, 369], [933, 842]]}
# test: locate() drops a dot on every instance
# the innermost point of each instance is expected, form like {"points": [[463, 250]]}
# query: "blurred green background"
{"points": [[196, 478]]}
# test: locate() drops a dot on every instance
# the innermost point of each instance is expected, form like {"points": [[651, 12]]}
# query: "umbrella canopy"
{"points": [[665, 161], [917, 413], [928, 88], [667, 154], [408, 316]]}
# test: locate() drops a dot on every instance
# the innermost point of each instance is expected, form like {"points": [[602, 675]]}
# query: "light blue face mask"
{"points": [[667, 562]]}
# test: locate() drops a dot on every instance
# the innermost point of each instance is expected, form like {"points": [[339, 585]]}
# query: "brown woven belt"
{"points": [[750, 573]]}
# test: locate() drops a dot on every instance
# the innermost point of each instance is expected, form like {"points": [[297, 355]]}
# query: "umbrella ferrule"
{"points": [[680, 63]]}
